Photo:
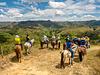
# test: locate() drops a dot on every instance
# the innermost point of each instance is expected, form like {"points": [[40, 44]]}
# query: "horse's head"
{"points": [[32, 41]]}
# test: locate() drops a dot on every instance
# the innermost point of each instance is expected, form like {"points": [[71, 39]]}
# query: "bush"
{"points": [[4, 37]]}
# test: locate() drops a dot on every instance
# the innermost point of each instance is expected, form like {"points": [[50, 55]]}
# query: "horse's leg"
{"points": [[80, 56], [29, 49], [53, 45], [41, 45], [16, 51], [69, 61], [20, 56], [62, 61], [59, 45], [47, 44]]}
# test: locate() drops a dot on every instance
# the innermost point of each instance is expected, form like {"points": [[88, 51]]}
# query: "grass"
{"points": [[93, 60]]}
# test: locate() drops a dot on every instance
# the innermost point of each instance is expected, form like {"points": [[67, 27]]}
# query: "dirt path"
{"points": [[44, 62]]}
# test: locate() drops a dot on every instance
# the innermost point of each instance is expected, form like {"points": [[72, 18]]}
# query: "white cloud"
{"points": [[57, 4], [14, 12], [3, 4], [56, 11], [90, 7], [92, 1], [88, 17]]}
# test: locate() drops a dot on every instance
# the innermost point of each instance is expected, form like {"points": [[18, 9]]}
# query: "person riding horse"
{"points": [[82, 48], [28, 39], [55, 41], [18, 41], [69, 44], [18, 47], [44, 40]]}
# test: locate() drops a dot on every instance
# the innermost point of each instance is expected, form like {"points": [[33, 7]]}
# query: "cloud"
{"points": [[90, 7], [92, 1], [57, 4], [14, 12], [88, 17], [3, 4], [66, 10]]}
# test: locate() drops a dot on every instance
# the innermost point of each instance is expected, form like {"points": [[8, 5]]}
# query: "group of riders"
{"points": [[69, 42]]}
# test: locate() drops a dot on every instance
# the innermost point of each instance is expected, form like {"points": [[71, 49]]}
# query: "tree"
{"points": [[4, 37]]}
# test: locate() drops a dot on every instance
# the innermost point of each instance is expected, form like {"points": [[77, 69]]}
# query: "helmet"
{"points": [[17, 36]]}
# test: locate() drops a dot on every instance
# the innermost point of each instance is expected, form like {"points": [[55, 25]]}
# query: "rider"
{"points": [[27, 38], [18, 41], [87, 39], [45, 38], [76, 40], [83, 42], [69, 44], [53, 36], [67, 38]]}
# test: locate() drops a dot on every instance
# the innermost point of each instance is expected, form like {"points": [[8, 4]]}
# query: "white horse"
{"points": [[65, 54], [28, 46]]}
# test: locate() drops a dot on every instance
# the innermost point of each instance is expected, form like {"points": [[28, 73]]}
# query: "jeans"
{"points": [[72, 53]]}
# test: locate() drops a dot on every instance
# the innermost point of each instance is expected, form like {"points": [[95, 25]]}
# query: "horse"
{"points": [[65, 54], [82, 52], [28, 46], [55, 42], [18, 49], [42, 42]]}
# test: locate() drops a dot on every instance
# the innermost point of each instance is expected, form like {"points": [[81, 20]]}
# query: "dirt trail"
{"points": [[44, 62]]}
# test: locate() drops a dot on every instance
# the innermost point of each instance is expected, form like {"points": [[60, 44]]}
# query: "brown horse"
{"points": [[18, 49], [55, 42], [82, 52]]}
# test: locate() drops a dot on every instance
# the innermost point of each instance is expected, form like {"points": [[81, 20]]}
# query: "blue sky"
{"points": [[55, 10]]}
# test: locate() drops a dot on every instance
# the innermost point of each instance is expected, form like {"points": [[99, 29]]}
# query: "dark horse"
{"points": [[55, 42], [18, 49], [42, 42], [82, 52]]}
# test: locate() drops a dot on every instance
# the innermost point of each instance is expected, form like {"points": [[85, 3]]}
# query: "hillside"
{"points": [[50, 24]]}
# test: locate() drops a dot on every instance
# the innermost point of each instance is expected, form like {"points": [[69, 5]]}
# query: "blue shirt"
{"points": [[82, 42], [68, 44]]}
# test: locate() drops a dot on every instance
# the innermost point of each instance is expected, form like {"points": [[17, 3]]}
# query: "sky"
{"points": [[54, 10]]}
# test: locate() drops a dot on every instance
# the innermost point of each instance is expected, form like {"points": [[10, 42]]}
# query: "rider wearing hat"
{"points": [[18, 40]]}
